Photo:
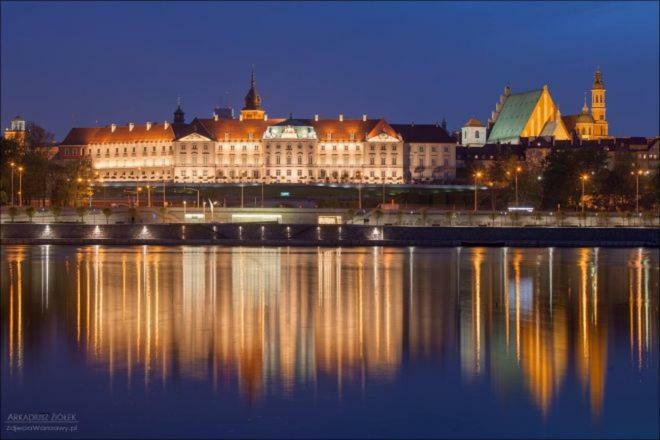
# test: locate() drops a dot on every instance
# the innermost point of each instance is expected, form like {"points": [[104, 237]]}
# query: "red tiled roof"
{"points": [[473, 122], [121, 133]]}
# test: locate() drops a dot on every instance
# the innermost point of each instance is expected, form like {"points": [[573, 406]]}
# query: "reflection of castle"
{"points": [[278, 320]]}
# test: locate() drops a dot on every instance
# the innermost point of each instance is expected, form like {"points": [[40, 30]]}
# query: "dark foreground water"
{"points": [[278, 342]]}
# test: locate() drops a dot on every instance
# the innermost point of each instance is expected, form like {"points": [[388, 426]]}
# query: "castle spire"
{"points": [[585, 109], [179, 115]]}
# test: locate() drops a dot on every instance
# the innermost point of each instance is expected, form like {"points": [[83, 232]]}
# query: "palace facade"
{"points": [[256, 148]]}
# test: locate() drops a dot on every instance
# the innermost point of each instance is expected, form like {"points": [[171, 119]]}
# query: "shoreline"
{"points": [[311, 235]]}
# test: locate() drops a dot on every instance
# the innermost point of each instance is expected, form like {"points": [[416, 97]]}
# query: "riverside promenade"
{"points": [[274, 234]]}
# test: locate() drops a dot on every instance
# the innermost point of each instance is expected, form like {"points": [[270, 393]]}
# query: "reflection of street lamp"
{"points": [[637, 174], [583, 178], [477, 176], [20, 186], [184, 208]]}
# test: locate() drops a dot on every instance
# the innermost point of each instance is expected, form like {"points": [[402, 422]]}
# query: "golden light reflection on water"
{"points": [[278, 320]]}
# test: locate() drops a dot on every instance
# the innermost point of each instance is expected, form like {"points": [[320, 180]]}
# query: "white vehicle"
{"points": [[528, 209]]}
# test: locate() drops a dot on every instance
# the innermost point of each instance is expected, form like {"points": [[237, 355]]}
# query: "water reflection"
{"points": [[277, 321]]}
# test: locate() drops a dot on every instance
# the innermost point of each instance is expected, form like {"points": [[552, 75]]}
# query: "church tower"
{"points": [[253, 108], [601, 128]]}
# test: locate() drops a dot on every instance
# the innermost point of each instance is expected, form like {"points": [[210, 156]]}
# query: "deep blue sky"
{"points": [[71, 64]]}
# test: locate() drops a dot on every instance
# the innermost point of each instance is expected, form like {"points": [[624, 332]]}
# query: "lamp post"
{"points": [[149, 196], [184, 208], [78, 181], [164, 200], [583, 178], [383, 176], [20, 186], [477, 176], [637, 174], [12, 165], [518, 169], [137, 196], [262, 190], [360, 196], [492, 198]]}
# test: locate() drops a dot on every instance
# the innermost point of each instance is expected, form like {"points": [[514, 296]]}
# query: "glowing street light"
{"points": [[518, 170], [184, 208], [20, 185], [12, 165], [637, 175], [584, 177], [149, 196], [477, 176], [137, 195]]}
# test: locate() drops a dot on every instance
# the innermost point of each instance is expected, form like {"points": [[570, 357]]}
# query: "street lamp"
{"points": [[477, 176], [164, 200], [637, 174], [583, 178], [149, 196], [360, 195], [184, 208], [12, 165], [518, 169], [491, 184], [137, 196], [20, 186]]}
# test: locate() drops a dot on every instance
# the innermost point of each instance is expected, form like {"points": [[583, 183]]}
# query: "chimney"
{"points": [[316, 118], [131, 126], [148, 125], [166, 125], [265, 117], [341, 117], [364, 117], [215, 117], [113, 127], [240, 117]]}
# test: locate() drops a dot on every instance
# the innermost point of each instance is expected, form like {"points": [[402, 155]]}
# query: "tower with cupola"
{"points": [[601, 128], [253, 108]]}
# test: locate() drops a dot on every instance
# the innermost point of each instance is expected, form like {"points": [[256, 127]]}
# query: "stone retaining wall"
{"points": [[252, 234]]}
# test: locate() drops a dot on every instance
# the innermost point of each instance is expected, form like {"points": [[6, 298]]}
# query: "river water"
{"points": [[306, 342]]}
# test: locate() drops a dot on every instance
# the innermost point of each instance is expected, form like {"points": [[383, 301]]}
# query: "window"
{"points": [[278, 173], [345, 147], [204, 173], [300, 159], [309, 159], [299, 173], [382, 160], [421, 162], [288, 160], [446, 149], [394, 160], [277, 159], [372, 160], [421, 148], [476, 134]]}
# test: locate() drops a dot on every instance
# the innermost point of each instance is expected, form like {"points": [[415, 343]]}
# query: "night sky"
{"points": [[83, 64]]}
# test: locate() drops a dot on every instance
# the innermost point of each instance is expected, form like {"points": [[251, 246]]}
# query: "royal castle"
{"points": [[257, 148]]}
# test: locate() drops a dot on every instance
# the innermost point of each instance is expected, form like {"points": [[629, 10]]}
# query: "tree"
{"points": [[29, 211], [107, 212], [81, 211], [561, 175], [37, 136], [56, 211], [13, 212]]}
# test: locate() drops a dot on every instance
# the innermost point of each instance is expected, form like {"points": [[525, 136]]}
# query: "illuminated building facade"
{"points": [[256, 148]]}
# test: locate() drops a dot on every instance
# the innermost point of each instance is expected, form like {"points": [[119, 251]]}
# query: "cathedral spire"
{"points": [[585, 109], [252, 99]]}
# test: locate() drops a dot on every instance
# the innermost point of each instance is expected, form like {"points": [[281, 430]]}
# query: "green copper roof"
{"points": [[513, 117]]}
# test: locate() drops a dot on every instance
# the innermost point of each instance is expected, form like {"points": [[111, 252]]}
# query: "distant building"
{"points": [[16, 130], [429, 152], [473, 133], [223, 113]]}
